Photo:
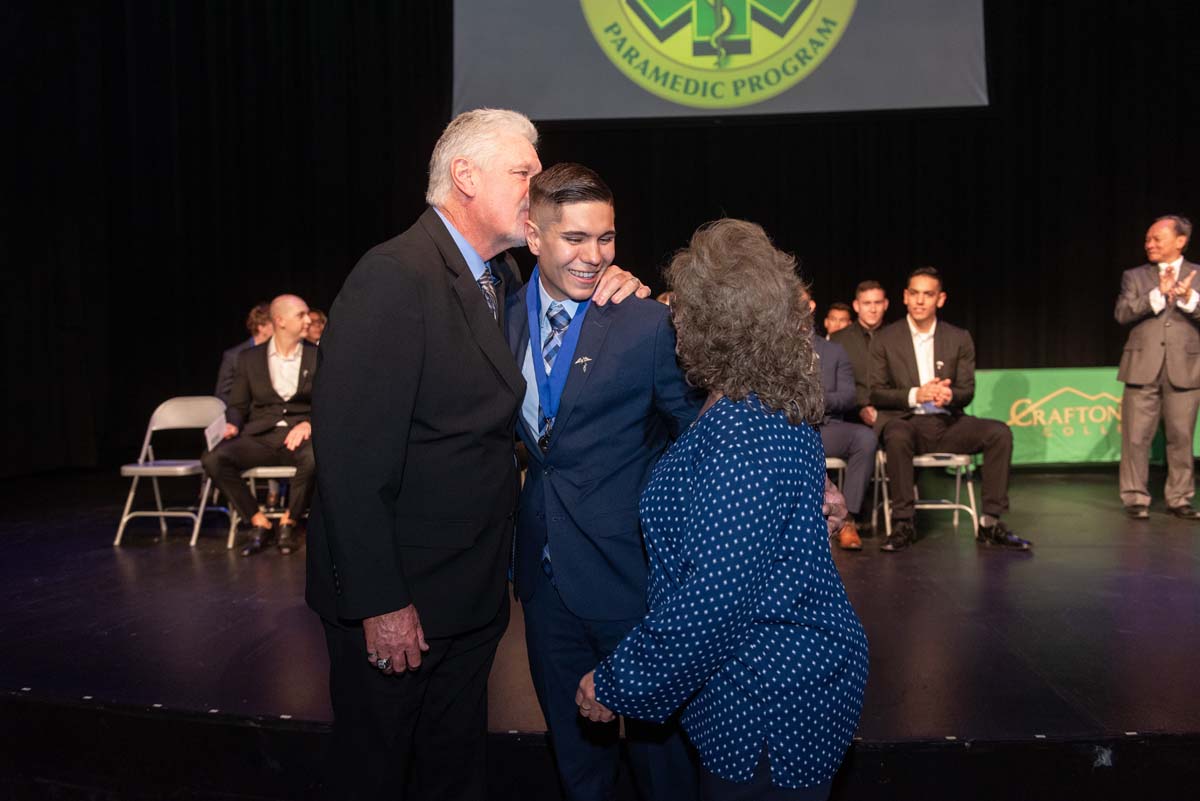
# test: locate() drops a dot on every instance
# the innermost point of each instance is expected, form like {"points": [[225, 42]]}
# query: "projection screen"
{"points": [[589, 59]]}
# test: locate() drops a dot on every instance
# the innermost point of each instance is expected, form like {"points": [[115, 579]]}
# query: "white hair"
{"points": [[472, 135]]}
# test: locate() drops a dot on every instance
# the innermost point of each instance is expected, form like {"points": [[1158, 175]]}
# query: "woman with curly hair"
{"points": [[749, 628]]}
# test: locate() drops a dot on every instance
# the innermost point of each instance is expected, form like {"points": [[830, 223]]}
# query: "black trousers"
{"points": [[420, 734], [905, 437], [226, 462]]}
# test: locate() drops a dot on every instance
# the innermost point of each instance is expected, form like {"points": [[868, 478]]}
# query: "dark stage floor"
{"points": [[1094, 635]]}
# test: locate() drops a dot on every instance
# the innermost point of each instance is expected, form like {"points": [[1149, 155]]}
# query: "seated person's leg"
{"points": [[225, 464], [299, 491], [994, 439]]}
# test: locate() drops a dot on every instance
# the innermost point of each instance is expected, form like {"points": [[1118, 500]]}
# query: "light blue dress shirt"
{"points": [[529, 407], [474, 263]]}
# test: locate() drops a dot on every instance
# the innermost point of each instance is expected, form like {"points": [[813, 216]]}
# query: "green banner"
{"points": [[1058, 416]]}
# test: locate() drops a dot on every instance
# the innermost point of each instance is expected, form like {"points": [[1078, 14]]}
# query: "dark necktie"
{"points": [[487, 284]]}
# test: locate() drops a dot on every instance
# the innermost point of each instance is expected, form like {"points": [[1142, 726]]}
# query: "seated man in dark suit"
{"points": [[837, 317], [604, 397], [258, 323], [922, 375], [268, 423], [870, 303], [853, 442]]}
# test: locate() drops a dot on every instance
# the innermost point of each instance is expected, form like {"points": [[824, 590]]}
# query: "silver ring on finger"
{"points": [[383, 663]]}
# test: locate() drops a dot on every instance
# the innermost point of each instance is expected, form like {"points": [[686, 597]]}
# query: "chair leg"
{"points": [[974, 509], [233, 522], [887, 507], [958, 475], [162, 521], [125, 513], [204, 488]]}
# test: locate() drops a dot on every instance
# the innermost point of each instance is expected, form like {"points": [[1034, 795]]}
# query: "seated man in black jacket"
{"points": [[268, 415], [922, 375]]}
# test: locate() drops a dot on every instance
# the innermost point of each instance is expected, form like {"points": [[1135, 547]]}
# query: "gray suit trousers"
{"points": [[1141, 407]]}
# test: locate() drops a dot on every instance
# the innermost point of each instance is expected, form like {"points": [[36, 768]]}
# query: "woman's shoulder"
{"points": [[746, 426]]}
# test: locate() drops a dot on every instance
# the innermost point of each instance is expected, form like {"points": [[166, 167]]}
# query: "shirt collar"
{"points": [[273, 351], [474, 262], [912, 328], [571, 306], [1162, 265]]}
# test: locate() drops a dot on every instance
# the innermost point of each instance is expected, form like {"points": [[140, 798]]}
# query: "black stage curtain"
{"points": [[170, 163]]}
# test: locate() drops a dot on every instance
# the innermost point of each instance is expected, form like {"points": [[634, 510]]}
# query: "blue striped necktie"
{"points": [[559, 320]]}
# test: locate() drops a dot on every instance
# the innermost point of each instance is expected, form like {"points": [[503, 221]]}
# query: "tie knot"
{"points": [[558, 316]]}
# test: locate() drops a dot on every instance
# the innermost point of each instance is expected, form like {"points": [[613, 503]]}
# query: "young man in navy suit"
{"points": [[604, 398]]}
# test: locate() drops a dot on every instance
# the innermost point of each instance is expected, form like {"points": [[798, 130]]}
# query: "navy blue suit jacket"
{"points": [[618, 413], [837, 378]]}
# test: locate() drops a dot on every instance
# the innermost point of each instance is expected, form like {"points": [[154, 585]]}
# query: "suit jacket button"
{"points": [[548, 471]]}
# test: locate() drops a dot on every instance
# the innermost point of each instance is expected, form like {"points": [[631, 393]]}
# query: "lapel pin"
{"points": [[583, 360]]}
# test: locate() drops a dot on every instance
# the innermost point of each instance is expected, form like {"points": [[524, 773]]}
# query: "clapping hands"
{"points": [[589, 707]]}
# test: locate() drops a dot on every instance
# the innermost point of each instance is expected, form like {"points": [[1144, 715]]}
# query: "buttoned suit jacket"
{"points": [[254, 406], [413, 435], [894, 368], [624, 401], [1171, 336], [857, 342]]}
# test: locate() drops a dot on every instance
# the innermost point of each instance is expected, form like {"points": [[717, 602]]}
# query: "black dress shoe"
{"points": [[903, 534], [1186, 512], [1138, 511], [1000, 536], [259, 537], [287, 539]]}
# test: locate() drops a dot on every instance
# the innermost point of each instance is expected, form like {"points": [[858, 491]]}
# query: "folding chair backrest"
{"points": [[187, 411]]}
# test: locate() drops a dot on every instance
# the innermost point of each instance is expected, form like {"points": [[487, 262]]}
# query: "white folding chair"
{"points": [[959, 462], [251, 475], [837, 466], [186, 412]]}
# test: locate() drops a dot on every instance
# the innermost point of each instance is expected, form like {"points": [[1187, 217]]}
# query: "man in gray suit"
{"points": [[1160, 367]]}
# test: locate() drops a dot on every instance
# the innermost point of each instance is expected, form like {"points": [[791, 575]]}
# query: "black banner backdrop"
{"points": [[169, 164]]}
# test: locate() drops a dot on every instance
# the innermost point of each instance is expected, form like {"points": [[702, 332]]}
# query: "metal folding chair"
{"points": [[837, 466], [251, 475], [186, 412], [959, 462]]}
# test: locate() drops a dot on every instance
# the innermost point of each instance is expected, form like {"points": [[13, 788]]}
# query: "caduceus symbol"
{"points": [[723, 22]]}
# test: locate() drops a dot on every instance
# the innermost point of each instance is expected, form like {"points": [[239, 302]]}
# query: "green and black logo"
{"points": [[717, 54]]}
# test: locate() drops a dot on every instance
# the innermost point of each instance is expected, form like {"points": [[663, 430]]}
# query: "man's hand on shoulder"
{"points": [[616, 285], [397, 637]]}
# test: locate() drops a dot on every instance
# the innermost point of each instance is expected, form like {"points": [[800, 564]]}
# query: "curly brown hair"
{"points": [[742, 320]]}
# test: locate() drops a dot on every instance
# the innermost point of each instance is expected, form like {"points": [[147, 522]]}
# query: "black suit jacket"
{"points": [[857, 342], [228, 369], [894, 368], [254, 406], [413, 431]]}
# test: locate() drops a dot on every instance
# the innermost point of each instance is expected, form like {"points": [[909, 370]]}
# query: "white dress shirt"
{"points": [[923, 347], [1158, 302], [285, 371]]}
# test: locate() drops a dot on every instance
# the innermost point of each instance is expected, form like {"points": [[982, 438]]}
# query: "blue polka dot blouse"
{"points": [[749, 625]]}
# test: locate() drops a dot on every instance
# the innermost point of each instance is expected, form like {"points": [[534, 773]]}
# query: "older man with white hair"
{"points": [[411, 533]]}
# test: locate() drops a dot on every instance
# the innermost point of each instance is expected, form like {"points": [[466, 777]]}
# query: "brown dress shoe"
{"points": [[848, 539]]}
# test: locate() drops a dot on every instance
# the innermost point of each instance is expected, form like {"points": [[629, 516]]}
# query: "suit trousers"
{"points": [[1141, 407], [562, 649], [856, 444], [420, 734], [905, 437], [226, 462]]}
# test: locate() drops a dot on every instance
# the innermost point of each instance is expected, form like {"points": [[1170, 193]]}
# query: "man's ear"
{"points": [[941, 299], [533, 237], [462, 173]]}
